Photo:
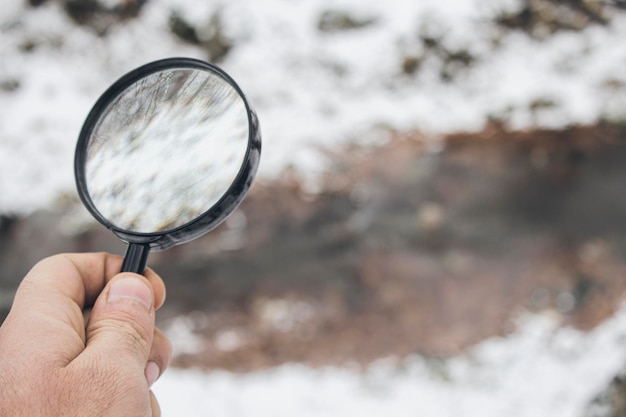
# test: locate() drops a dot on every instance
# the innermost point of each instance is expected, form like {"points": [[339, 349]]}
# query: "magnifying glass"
{"points": [[166, 154]]}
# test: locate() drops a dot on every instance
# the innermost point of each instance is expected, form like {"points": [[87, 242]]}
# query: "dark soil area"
{"points": [[405, 251]]}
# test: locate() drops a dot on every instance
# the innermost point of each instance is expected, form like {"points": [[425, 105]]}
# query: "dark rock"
{"points": [[542, 18], [183, 29], [99, 16], [433, 46], [337, 21], [411, 64], [611, 402], [211, 38], [9, 85]]}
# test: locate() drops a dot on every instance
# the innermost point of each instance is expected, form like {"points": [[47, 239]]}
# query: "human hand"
{"points": [[53, 364]]}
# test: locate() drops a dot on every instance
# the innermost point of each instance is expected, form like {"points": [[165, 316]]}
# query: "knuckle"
{"points": [[130, 334]]}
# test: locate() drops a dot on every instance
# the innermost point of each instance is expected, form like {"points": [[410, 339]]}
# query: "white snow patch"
{"points": [[540, 370]]}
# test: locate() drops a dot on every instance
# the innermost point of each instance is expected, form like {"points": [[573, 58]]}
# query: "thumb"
{"points": [[121, 324]]}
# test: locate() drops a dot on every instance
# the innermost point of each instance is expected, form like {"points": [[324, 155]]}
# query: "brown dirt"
{"points": [[408, 251]]}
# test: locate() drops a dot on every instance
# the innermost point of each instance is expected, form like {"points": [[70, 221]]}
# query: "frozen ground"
{"points": [[311, 89], [540, 370]]}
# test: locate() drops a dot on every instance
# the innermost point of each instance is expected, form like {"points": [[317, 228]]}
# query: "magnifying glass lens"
{"points": [[167, 153]]}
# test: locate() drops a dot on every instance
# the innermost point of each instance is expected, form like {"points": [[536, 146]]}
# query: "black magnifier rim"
{"points": [[215, 214]]}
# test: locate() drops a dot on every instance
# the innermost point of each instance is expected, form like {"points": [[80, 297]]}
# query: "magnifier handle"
{"points": [[135, 258]]}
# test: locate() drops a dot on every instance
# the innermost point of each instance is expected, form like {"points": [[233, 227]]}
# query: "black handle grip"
{"points": [[136, 258]]}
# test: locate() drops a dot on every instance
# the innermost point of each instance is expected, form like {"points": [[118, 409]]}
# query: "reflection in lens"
{"points": [[166, 150]]}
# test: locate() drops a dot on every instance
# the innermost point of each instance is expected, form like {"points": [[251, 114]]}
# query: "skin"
{"points": [[53, 362]]}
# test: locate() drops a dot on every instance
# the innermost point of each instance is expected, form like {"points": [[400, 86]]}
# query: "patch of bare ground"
{"points": [[410, 251]]}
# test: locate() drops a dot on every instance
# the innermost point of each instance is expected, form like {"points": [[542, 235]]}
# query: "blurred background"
{"points": [[437, 227]]}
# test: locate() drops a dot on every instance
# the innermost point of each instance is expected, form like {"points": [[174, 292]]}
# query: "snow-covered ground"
{"points": [[313, 90], [540, 370]]}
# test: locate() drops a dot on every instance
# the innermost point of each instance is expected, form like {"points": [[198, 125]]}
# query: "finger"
{"points": [[159, 357], [158, 287], [48, 305], [121, 324], [154, 405], [79, 277]]}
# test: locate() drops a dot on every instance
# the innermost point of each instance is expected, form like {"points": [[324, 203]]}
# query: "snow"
{"points": [[311, 90], [542, 369]]}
